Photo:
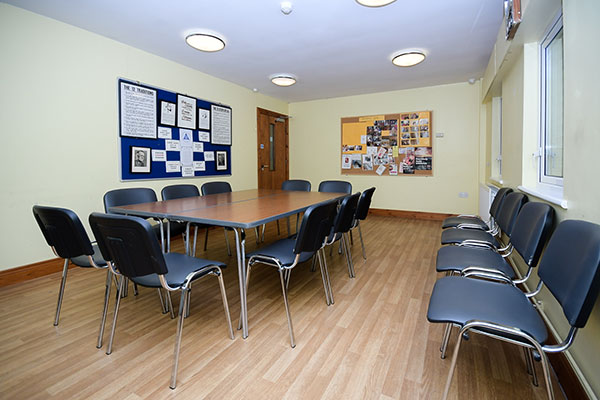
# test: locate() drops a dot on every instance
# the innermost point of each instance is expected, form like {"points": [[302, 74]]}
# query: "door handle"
{"points": [[262, 167]]}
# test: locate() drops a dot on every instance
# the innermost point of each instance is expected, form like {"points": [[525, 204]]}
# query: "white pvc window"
{"points": [[552, 125]]}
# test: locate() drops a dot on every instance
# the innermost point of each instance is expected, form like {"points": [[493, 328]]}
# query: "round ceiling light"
{"points": [[205, 42], [283, 79], [408, 59], [374, 3]]}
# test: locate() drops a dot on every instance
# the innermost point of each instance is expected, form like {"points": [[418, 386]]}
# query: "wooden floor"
{"points": [[374, 342]]}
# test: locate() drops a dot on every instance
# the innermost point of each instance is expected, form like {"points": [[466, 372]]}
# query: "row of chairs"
{"points": [[127, 248], [480, 291]]}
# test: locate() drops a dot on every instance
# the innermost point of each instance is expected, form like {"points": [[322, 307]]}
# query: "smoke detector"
{"points": [[286, 7]]}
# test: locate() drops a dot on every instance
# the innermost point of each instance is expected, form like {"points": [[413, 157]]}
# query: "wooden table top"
{"points": [[242, 209]]}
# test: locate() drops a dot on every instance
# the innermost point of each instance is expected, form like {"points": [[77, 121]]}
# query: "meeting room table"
{"points": [[239, 211]]}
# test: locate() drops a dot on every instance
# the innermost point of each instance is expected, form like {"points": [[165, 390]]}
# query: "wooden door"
{"points": [[272, 149]]}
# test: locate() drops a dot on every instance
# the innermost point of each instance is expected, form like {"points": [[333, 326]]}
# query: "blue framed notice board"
{"points": [[164, 134]]}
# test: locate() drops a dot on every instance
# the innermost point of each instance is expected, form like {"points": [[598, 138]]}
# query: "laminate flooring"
{"points": [[373, 343]]}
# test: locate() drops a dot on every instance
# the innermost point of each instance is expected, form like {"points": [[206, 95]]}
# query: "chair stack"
{"points": [[480, 294]]}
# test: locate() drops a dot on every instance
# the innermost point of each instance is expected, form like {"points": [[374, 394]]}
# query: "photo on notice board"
{"points": [[168, 111], [221, 160], [140, 160]]}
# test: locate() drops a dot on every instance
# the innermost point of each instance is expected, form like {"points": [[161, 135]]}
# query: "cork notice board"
{"points": [[390, 144]]}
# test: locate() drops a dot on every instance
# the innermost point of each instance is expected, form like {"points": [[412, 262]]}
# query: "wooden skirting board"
{"points": [[410, 214], [31, 271]]}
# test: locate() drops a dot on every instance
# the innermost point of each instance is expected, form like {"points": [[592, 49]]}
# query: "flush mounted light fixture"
{"points": [[408, 59], [283, 79], [205, 42], [374, 3]]}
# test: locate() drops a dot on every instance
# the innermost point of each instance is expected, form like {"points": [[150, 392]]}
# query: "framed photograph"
{"points": [[140, 160], [168, 111], [221, 160]]}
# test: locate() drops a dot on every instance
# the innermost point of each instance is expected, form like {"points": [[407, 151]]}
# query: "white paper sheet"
{"points": [[186, 112], [198, 147], [204, 136], [203, 118], [209, 156], [164, 133], [221, 125], [199, 166], [173, 166], [138, 111], [380, 169], [346, 162], [159, 155], [172, 145], [187, 171]]}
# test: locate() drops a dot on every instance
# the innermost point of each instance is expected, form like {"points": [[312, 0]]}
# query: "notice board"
{"points": [[164, 134], [388, 144]]}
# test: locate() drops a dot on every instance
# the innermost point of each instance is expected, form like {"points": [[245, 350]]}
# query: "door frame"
{"points": [[263, 111]]}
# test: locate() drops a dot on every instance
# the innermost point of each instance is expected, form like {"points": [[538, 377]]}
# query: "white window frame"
{"points": [[554, 29], [496, 146]]}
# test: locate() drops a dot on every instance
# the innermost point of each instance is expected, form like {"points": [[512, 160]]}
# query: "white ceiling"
{"points": [[334, 47]]}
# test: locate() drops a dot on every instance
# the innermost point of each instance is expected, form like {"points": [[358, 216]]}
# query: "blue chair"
{"points": [[285, 254], [342, 224], [362, 210], [570, 268], [181, 191], [475, 220], [335, 187], [293, 185], [65, 234], [131, 251], [216, 188]]}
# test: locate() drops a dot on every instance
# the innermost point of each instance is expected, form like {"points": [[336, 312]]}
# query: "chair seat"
{"points": [[457, 258], [83, 261], [283, 250], [179, 266], [452, 222], [459, 300], [455, 236]]}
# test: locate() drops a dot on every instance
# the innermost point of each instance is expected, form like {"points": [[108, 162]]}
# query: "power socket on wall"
{"points": [[463, 195]]}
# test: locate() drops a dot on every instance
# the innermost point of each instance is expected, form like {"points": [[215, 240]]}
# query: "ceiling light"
{"points": [[283, 79], [205, 42], [374, 3], [408, 59]]}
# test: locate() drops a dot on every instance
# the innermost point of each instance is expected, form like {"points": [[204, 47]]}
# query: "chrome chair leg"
{"points": [[170, 304], [287, 307], [264, 227], [116, 313], [452, 365], [313, 264], [362, 243], [257, 235], [195, 241], [182, 308], [531, 366], [163, 305], [351, 238], [327, 276], [327, 300], [278, 230], [289, 229], [445, 339], [345, 246], [227, 241], [105, 308], [189, 299], [125, 291], [61, 291], [225, 304], [206, 239]]}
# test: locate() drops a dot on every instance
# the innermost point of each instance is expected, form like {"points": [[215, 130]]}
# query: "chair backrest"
{"points": [[335, 187], [215, 188], [532, 229], [345, 214], [315, 227], [297, 185], [128, 196], [362, 209], [498, 199], [129, 243], [172, 192], [570, 268], [63, 230], [508, 212]]}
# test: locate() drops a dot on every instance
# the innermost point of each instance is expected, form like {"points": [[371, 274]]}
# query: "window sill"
{"points": [[496, 180], [551, 194]]}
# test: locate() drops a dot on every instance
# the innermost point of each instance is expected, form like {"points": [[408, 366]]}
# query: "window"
{"points": [[552, 126], [496, 167]]}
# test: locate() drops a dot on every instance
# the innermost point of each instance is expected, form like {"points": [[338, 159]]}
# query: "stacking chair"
{"points": [[65, 234], [530, 234], [129, 196], [294, 185], [475, 237], [570, 268], [285, 254], [181, 191], [362, 210], [129, 246], [335, 187], [216, 188], [475, 220], [341, 226]]}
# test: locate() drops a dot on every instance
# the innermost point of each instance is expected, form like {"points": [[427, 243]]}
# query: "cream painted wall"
{"points": [[582, 141], [315, 146], [58, 112]]}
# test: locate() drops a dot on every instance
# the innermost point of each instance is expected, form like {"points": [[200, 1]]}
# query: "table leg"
{"points": [[240, 247]]}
